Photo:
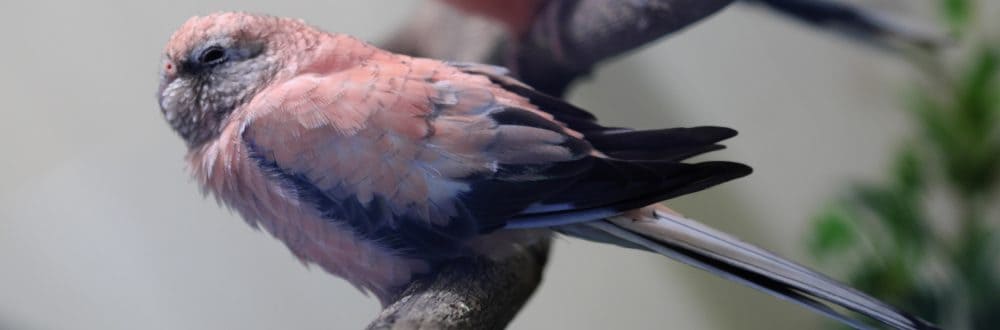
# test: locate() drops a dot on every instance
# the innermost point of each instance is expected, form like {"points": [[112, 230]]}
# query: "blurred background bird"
{"points": [[875, 27], [543, 41]]}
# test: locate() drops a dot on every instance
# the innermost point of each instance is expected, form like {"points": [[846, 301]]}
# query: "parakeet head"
{"points": [[214, 64]]}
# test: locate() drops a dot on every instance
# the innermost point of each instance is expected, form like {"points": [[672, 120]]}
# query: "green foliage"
{"points": [[951, 277], [957, 14], [963, 126], [834, 232]]}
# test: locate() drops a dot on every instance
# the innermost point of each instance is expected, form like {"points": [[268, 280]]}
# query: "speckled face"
{"points": [[211, 67]]}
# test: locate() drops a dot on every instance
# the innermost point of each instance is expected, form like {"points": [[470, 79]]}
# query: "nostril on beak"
{"points": [[169, 69], [169, 72]]}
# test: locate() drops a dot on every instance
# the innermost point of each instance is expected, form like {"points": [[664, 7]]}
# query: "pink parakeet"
{"points": [[378, 167]]}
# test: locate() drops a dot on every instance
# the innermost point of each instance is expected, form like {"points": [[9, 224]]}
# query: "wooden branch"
{"points": [[471, 293]]}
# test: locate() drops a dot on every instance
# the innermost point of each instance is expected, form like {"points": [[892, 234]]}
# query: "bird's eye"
{"points": [[212, 55]]}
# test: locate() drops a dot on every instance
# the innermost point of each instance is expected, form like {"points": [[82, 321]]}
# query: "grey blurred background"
{"points": [[100, 227]]}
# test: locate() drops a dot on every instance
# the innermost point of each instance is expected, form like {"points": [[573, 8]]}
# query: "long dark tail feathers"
{"points": [[692, 243]]}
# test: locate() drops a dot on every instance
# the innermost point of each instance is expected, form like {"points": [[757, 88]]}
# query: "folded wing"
{"points": [[423, 164]]}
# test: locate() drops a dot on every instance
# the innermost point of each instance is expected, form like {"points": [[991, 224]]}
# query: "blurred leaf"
{"points": [[897, 283], [931, 117], [963, 132], [926, 301], [959, 143], [909, 171], [889, 279], [984, 315], [833, 231], [972, 170], [976, 259], [985, 291], [977, 94], [957, 13], [900, 214]]}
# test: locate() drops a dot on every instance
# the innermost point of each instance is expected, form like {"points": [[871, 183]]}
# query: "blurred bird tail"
{"points": [[660, 230], [874, 27]]}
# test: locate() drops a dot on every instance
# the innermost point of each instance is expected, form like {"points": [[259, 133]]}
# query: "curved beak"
{"points": [[167, 76]]}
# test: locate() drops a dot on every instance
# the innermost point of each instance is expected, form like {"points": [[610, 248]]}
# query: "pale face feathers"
{"points": [[213, 65]]}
